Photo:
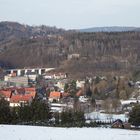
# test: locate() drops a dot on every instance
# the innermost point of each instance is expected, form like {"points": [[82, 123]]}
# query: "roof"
{"points": [[33, 94], [118, 121], [18, 98], [11, 88], [55, 94], [79, 93], [65, 94], [6, 93], [31, 89], [22, 94], [20, 90]]}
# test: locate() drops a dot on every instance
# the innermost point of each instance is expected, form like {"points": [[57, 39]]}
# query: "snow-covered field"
{"points": [[11, 132]]}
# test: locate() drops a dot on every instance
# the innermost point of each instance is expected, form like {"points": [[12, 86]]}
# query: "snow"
{"points": [[12, 132], [127, 102], [97, 116]]}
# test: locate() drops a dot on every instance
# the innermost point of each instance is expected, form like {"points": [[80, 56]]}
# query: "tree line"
{"points": [[34, 112], [39, 113]]}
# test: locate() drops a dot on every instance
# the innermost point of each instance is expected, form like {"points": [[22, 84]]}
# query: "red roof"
{"points": [[22, 90], [18, 98], [55, 94], [31, 90], [21, 95], [79, 93], [6, 93], [31, 94], [19, 90]]}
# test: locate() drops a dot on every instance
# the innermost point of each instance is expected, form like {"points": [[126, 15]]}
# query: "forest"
{"points": [[68, 50]]}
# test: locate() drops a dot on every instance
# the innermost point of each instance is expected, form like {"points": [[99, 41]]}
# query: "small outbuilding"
{"points": [[120, 124]]}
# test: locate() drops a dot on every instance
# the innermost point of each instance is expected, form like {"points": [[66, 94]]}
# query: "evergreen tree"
{"points": [[66, 87], [40, 111], [57, 118], [134, 116], [72, 88], [72, 118], [25, 114], [5, 114], [36, 111], [15, 115]]}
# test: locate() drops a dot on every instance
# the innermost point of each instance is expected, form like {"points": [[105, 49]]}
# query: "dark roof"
{"points": [[118, 121]]}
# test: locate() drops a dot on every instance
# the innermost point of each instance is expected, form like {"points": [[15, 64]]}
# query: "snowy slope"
{"points": [[8, 132]]}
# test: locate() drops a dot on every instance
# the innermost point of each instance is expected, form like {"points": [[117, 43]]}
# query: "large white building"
{"points": [[17, 81]]}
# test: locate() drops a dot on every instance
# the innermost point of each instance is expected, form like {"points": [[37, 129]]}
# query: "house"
{"points": [[57, 107], [48, 76], [55, 75], [55, 96], [60, 76], [18, 96], [73, 56], [32, 76], [83, 99], [117, 124], [120, 124], [61, 84], [21, 99], [80, 84], [6, 94]]}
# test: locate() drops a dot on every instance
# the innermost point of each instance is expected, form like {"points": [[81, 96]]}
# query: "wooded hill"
{"points": [[70, 51]]}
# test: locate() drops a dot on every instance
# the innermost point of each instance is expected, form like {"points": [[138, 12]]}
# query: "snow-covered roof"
{"points": [[126, 102]]}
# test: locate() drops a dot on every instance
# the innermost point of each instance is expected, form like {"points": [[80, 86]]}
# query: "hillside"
{"points": [[17, 42], [77, 53], [9, 132]]}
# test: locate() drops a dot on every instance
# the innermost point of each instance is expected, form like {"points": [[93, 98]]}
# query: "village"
{"points": [[21, 87]]}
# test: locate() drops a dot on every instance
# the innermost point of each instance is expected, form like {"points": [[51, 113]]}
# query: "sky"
{"points": [[72, 14]]}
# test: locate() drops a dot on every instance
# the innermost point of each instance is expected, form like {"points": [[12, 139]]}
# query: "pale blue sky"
{"points": [[71, 14]]}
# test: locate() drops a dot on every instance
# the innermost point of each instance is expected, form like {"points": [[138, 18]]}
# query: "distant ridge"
{"points": [[110, 29], [137, 30]]}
